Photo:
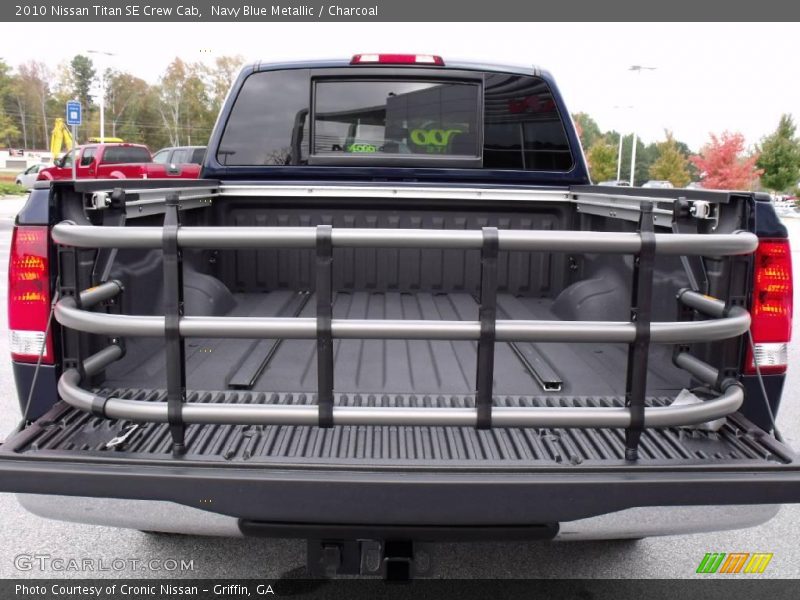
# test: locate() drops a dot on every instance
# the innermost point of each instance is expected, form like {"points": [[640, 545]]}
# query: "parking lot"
{"points": [[669, 557]]}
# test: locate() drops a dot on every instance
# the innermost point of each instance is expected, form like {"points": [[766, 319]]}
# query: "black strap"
{"points": [[173, 311], [641, 315], [113, 216], [487, 314], [69, 286], [324, 289]]}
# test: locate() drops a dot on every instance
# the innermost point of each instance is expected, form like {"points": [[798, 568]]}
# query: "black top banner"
{"points": [[397, 10]]}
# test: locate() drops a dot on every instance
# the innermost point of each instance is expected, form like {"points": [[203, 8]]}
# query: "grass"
{"points": [[11, 189]]}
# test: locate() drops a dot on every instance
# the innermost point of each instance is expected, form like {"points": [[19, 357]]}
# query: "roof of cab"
{"points": [[448, 64]]}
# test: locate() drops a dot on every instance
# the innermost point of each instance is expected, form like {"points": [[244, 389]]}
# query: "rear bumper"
{"points": [[394, 497], [150, 515]]}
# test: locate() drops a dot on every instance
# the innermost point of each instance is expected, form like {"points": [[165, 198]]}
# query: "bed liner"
{"points": [[391, 366]]}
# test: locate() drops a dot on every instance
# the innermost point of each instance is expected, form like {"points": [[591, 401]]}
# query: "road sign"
{"points": [[73, 112]]}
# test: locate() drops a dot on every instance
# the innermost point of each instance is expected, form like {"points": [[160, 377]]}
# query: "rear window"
{"points": [[197, 156], [522, 126], [268, 123], [126, 154], [396, 117], [294, 118], [181, 156]]}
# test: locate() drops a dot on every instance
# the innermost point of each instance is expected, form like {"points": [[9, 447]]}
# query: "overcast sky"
{"points": [[708, 77]]}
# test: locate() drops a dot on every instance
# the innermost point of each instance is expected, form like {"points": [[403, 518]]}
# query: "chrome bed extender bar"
{"points": [[725, 321]]}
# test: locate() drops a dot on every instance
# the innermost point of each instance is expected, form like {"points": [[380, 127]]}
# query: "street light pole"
{"points": [[638, 69], [102, 95], [619, 153]]}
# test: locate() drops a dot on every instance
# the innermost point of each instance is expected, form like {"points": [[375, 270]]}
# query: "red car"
{"points": [[116, 161]]}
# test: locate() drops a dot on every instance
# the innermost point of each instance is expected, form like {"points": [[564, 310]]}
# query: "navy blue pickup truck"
{"points": [[394, 310]]}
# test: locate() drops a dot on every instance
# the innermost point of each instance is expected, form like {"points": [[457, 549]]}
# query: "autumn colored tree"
{"points": [[226, 68], [125, 97], [588, 130], [186, 105], [780, 157], [670, 163], [602, 158], [724, 164]]}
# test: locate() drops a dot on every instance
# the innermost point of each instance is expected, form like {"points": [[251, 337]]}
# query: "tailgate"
{"points": [[352, 474]]}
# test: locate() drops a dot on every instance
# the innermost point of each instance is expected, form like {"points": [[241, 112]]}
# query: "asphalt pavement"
{"points": [[667, 557]]}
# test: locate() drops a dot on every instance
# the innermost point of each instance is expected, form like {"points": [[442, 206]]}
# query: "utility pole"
{"points": [[102, 94], [638, 69], [621, 138]]}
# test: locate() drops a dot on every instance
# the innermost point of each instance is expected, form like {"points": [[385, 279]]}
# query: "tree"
{"points": [[197, 117], [588, 130], [602, 158], [185, 106], [225, 70], [724, 165], [21, 104], [125, 95], [780, 157], [691, 169], [8, 129], [670, 165], [171, 99], [645, 155], [34, 93], [83, 73]]}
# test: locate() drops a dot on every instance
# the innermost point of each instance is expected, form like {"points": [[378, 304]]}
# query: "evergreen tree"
{"points": [[780, 157]]}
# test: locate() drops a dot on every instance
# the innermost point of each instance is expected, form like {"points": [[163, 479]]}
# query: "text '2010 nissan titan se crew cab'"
{"points": [[394, 310]]}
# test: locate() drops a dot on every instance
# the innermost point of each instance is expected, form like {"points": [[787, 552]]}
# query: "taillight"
{"points": [[397, 59], [771, 310], [29, 295]]}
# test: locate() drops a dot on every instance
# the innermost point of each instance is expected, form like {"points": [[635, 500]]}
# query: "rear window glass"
{"points": [[520, 128], [197, 155], [396, 117], [268, 120], [126, 154], [181, 156]]}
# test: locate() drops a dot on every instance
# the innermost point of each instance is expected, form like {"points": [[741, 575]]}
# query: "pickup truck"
{"points": [[115, 161], [180, 155], [394, 311]]}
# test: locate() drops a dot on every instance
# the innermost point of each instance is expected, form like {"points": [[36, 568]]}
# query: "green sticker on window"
{"points": [[435, 141], [362, 148]]}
